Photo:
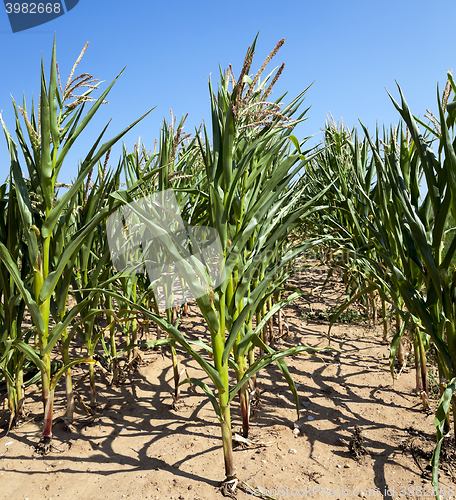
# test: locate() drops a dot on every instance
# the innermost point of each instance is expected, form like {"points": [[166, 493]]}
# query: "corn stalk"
{"points": [[253, 200], [414, 232], [43, 215]]}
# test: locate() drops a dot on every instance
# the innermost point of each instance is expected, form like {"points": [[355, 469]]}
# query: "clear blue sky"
{"points": [[353, 50]]}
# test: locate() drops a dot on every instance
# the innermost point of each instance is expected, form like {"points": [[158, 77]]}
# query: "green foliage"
{"points": [[399, 233], [245, 182], [45, 220]]}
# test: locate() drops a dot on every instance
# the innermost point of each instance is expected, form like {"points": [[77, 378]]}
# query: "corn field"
{"points": [[222, 217]]}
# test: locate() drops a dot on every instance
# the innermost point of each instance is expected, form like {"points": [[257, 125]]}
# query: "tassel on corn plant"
{"points": [[51, 248], [252, 198]]}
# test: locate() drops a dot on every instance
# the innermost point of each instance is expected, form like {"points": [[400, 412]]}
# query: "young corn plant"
{"points": [[415, 231], [253, 201], [174, 164], [347, 160], [44, 217], [92, 265], [12, 307]]}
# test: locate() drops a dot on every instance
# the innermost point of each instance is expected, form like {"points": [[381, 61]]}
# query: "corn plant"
{"points": [[351, 162], [174, 167], [253, 200], [414, 231], [347, 160], [91, 265], [44, 217], [12, 306]]}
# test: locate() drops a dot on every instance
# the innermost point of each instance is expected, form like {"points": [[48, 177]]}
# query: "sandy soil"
{"points": [[136, 446]]}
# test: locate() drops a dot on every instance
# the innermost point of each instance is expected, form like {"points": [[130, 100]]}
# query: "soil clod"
{"points": [[356, 445]]}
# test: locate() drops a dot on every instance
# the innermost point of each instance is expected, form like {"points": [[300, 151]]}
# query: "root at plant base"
{"points": [[44, 447], [228, 487]]}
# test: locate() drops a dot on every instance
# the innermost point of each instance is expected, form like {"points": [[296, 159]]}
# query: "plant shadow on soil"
{"points": [[137, 446]]}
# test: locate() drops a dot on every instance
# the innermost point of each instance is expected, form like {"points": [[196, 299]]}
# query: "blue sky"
{"points": [[351, 50]]}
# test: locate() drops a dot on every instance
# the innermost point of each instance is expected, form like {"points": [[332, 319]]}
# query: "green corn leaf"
{"points": [[31, 354], [53, 93], [46, 167], [227, 154], [32, 306], [29, 160], [246, 341], [296, 144], [439, 422], [208, 348], [67, 367]]}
